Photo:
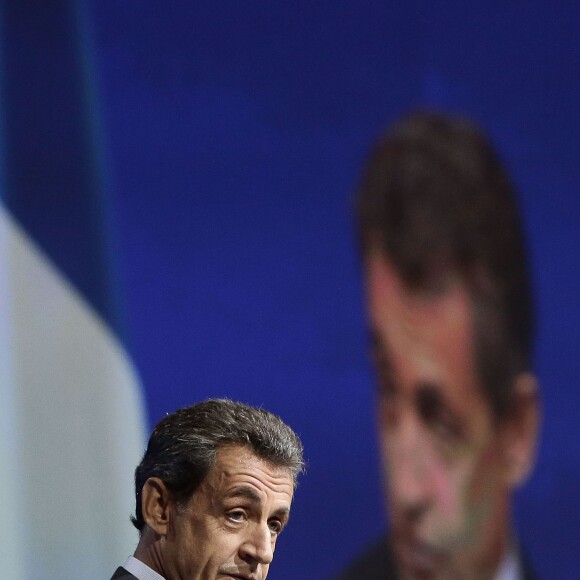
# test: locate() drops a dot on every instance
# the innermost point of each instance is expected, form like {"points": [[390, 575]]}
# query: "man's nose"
{"points": [[407, 457], [258, 547]]}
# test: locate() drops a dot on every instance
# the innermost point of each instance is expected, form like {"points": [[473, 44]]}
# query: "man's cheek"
{"points": [[448, 500], [474, 497], [451, 492], [446, 496]]}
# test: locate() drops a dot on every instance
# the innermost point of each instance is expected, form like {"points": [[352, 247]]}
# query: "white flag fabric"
{"points": [[71, 409], [72, 424]]}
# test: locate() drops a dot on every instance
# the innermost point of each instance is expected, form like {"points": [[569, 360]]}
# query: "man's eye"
{"points": [[236, 516], [448, 430], [275, 526], [437, 415], [445, 429]]}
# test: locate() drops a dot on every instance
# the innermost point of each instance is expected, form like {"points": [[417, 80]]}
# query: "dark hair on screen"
{"points": [[436, 200], [183, 446]]}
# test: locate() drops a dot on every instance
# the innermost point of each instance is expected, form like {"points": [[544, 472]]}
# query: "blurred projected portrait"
{"points": [[451, 320]]}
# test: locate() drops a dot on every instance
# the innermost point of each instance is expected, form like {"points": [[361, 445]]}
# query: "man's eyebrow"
{"points": [[282, 512], [251, 494], [433, 404], [282, 515], [245, 491]]}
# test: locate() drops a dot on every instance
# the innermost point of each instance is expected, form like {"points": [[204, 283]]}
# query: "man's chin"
{"points": [[417, 559], [235, 574]]}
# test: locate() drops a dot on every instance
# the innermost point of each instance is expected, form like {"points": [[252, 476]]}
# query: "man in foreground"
{"points": [[450, 311], [213, 493]]}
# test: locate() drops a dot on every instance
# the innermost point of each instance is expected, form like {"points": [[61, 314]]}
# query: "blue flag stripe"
{"points": [[53, 178]]}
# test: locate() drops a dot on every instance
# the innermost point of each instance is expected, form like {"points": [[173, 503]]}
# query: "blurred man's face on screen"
{"points": [[444, 459]]}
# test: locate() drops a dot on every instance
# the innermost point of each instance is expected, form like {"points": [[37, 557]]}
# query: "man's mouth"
{"points": [[419, 558], [241, 575]]}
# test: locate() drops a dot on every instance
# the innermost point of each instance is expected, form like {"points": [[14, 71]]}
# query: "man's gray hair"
{"points": [[183, 446]]}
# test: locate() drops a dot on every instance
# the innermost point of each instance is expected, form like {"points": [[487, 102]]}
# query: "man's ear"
{"points": [[520, 429], [156, 505]]}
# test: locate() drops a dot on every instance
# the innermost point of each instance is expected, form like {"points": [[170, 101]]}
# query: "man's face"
{"points": [[443, 457], [229, 527]]}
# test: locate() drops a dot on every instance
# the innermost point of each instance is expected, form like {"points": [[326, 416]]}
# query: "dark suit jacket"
{"points": [[122, 574], [377, 563]]}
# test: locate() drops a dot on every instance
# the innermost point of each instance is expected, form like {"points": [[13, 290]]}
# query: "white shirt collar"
{"points": [[509, 568], [141, 571]]}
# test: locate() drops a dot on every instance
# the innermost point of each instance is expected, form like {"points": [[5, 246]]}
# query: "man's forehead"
{"points": [[394, 307], [239, 467], [384, 282]]}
